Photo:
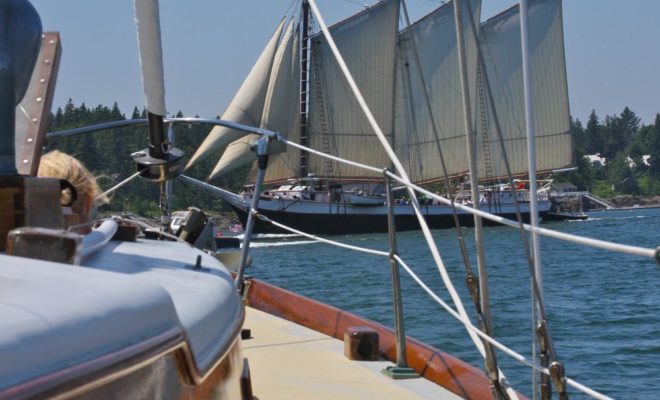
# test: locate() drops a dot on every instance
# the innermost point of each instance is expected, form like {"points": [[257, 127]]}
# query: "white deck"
{"points": [[288, 361]]}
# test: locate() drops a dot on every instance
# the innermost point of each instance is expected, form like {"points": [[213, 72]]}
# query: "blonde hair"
{"points": [[56, 164]]}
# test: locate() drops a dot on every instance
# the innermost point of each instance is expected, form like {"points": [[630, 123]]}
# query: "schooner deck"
{"points": [[289, 361]]}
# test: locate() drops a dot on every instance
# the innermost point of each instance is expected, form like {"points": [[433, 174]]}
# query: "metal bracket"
{"points": [[247, 284], [395, 372], [557, 376], [472, 283]]}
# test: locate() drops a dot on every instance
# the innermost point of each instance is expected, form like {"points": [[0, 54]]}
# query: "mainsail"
{"points": [[396, 73], [367, 41], [428, 57], [500, 44], [279, 112], [246, 107]]}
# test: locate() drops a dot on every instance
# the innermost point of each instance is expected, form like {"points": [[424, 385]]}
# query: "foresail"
{"points": [[429, 46], [280, 108], [500, 43], [282, 114], [337, 126], [247, 105]]}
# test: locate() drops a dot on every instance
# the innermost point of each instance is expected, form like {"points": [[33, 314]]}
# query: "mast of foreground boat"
{"points": [[499, 390], [159, 162], [533, 210], [548, 356]]}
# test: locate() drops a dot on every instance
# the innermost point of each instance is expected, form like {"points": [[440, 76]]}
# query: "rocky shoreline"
{"points": [[576, 204]]}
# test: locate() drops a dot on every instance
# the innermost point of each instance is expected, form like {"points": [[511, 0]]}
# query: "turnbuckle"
{"points": [[472, 283], [558, 378]]}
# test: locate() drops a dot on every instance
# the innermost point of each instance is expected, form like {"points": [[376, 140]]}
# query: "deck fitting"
{"points": [[395, 372]]}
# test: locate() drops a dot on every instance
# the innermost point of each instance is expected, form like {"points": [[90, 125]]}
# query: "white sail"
{"points": [[246, 107], [500, 43], [432, 42], [283, 114], [367, 42], [280, 108]]}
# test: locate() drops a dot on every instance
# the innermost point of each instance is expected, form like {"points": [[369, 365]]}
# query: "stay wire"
{"points": [[463, 320]]}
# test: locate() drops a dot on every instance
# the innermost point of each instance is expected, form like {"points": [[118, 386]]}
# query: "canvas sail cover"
{"points": [[336, 123], [427, 55], [500, 43], [280, 111], [246, 106]]}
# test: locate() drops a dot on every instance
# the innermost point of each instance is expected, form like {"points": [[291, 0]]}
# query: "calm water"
{"points": [[604, 308]]}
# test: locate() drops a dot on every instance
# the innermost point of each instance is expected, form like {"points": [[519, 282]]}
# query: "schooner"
{"points": [[410, 78]]}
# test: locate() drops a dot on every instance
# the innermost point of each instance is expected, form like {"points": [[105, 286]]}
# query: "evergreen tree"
{"points": [[621, 175], [594, 135], [655, 149], [629, 122], [69, 109], [116, 113], [580, 139]]}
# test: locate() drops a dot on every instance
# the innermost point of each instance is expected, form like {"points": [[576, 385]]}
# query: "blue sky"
{"points": [[612, 50]]}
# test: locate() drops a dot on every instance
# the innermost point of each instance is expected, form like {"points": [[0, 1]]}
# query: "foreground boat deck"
{"points": [[288, 361]]}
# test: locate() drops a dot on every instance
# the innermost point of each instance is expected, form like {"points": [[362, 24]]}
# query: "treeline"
{"points": [[108, 155], [620, 139]]}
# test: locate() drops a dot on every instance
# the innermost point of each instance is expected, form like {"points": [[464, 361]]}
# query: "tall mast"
{"points": [[531, 142], [304, 86], [472, 161]]}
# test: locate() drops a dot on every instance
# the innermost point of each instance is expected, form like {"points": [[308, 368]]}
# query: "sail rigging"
{"points": [[246, 107], [278, 111], [367, 42], [395, 70], [502, 58], [429, 48]]}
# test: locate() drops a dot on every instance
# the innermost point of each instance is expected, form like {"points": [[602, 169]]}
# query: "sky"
{"points": [[209, 46]]}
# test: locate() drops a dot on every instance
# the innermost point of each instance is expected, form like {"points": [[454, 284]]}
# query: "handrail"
{"points": [[143, 121]]}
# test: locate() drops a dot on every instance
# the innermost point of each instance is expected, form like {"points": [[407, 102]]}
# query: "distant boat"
{"points": [[392, 66], [564, 216]]}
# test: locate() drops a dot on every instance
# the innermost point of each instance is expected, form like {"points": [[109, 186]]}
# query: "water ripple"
{"points": [[603, 307]]}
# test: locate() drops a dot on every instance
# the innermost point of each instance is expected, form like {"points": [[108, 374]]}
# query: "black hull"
{"points": [[559, 216], [338, 224]]}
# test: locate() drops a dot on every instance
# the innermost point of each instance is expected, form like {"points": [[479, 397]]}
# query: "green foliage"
{"points": [[108, 155], [616, 138], [654, 148]]}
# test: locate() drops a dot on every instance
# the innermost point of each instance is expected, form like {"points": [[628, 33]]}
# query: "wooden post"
{"points": [[28, 201]]}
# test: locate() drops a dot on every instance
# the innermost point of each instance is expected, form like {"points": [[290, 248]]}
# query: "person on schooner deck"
{"points": [[78, 207]]}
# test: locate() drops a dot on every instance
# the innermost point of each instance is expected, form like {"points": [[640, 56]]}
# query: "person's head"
{"points": [[56, 164]]}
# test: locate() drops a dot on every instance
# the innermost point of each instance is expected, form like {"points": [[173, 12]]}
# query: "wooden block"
{"points": [[361, 343], [126, 231], [45, 244], [28, 201]]}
